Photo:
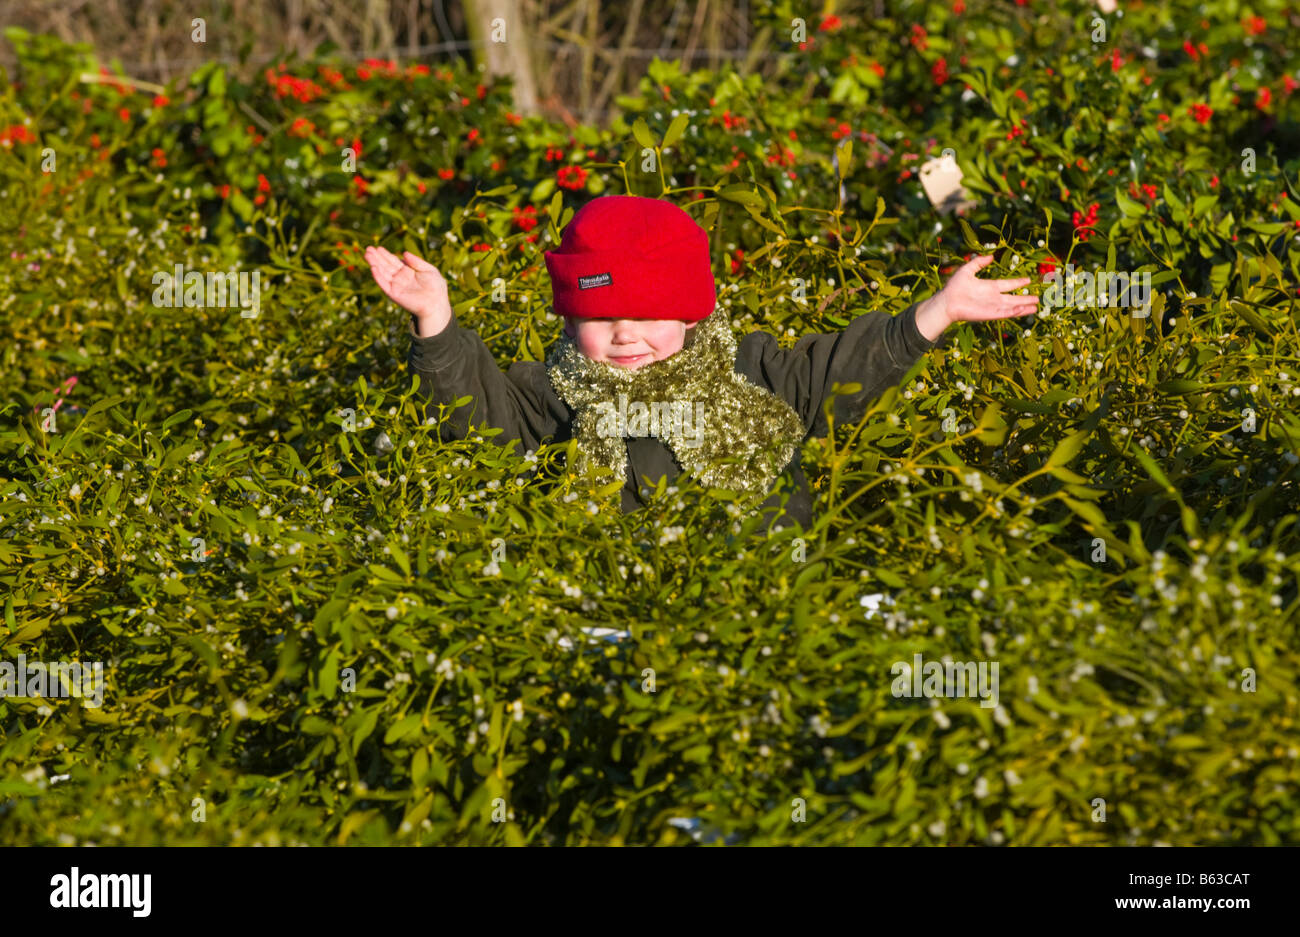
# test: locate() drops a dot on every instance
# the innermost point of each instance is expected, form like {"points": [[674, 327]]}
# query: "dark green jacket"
{"points": [[875, 350]]}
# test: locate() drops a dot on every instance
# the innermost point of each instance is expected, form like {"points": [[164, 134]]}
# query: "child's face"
{"points": [[627, 343]]}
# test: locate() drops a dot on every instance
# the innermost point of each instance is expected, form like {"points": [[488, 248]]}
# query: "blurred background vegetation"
{"points": [[568, 59]]}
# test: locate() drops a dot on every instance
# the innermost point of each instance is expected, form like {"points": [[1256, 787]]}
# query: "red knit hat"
{"points": [[631, 257]]}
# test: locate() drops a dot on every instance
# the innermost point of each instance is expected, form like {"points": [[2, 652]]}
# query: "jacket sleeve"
{"points": [[456, 363], [875, 350]]}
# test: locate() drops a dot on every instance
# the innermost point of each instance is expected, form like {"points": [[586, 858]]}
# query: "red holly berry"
{"points": [[571, 177]]}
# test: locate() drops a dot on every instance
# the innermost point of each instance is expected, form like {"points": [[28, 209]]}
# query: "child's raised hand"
{"points": [[414, 284], [966, 298]]}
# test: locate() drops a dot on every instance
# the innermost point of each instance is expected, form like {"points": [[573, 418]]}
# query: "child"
{"points": [[648, 376]]}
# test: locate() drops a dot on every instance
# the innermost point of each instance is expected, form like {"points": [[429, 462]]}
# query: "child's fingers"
{"points": [[1010, 306], [381, 276], [419, 263], [1015, 284], [976, 264], [1018, 312], [1021, 309], [385, 259], [389, 258], [384, 270], [385, 265], [380, 259]]}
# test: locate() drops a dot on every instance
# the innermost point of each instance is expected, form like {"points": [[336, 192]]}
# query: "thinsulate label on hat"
{"points": [[600, 279]]}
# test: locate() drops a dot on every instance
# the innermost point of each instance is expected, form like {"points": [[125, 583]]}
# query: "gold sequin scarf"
{"points": [[693, 400]]}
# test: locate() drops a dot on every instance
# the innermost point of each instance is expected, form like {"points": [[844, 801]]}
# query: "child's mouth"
{"points": [[626, 360]]}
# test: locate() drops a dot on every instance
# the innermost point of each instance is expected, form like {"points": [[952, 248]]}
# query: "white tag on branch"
{"points": [[941, 179]]}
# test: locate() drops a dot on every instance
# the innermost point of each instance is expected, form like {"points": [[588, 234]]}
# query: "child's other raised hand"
{"points": [[966, 298], [414, 284]]}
